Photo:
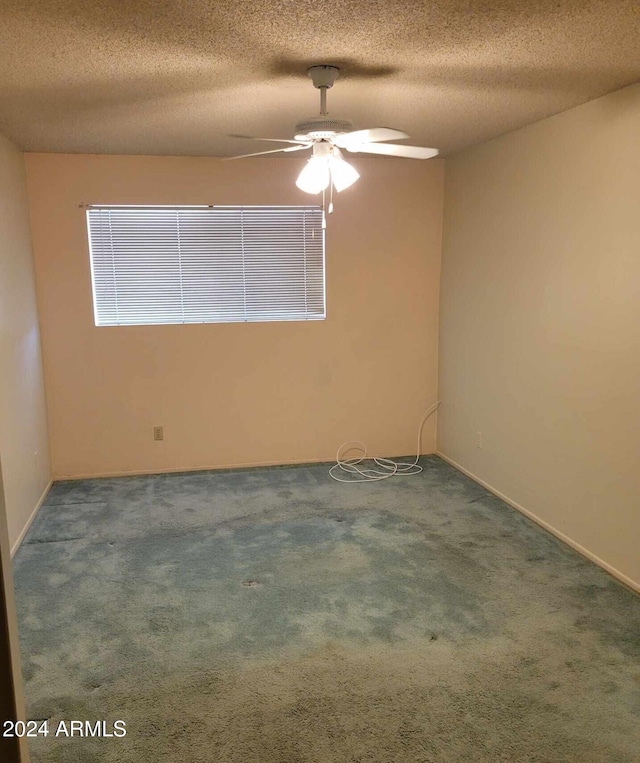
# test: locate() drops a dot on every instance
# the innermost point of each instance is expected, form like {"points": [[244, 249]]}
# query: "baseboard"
{"points": [[25, 529], [634, 585], [188, 469], [217, 468]]}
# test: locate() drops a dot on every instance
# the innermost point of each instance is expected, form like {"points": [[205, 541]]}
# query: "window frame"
{"points": [[307, 271]]}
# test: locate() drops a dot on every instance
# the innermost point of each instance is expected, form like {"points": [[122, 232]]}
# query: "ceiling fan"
{"points": [[326, 136]]}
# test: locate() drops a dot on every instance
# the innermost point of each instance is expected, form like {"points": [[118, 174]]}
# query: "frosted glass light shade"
{"points": [[342, 173], [315, 176]]}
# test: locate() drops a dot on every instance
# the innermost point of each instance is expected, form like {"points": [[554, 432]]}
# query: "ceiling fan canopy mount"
{"points": [[323, 75]]}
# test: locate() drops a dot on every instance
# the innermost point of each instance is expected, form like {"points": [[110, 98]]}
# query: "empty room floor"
{"points": [[276, 616]]}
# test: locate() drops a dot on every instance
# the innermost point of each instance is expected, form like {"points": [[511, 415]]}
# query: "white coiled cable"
{"points": [[384, 467]]}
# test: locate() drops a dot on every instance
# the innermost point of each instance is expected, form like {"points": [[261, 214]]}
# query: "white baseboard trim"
{"points": [[634, 585], [186, 469], [215, 467], [25, 529]]}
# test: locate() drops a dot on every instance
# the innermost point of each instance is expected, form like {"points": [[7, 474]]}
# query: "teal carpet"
{"points": [[276, 616]]}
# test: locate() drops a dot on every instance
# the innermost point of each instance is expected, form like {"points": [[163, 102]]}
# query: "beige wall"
{"points": [[234, 394], [23, 425], [11, 686], [540, 323]]}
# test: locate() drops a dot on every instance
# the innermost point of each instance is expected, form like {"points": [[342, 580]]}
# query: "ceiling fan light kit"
{"points": [[324, 167], [325, 136]]}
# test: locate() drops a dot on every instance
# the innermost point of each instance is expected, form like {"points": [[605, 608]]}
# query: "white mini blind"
{"points": [[155, 265]]}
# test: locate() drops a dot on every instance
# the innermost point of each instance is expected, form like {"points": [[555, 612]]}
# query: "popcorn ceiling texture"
{"points": [[175, 78]]}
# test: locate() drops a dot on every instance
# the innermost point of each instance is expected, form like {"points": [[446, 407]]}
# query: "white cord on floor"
{"points": [[386, 467]]}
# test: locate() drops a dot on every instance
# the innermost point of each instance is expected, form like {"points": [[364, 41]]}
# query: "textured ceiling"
{"points": [[177, 76]]}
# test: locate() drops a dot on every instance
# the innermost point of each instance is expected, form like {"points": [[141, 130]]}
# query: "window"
{"points": [[153, 265]]}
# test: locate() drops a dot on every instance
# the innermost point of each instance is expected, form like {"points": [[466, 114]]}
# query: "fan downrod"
{"points": [[323, 78]]}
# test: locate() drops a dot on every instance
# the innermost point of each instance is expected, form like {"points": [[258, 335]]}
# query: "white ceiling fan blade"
{"points": [[372, 135], [298, 147], [269, 140], [390, 149]]}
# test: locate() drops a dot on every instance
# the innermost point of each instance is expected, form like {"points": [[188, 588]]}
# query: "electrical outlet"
{"points": [[158, 433], [479, 440]]}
